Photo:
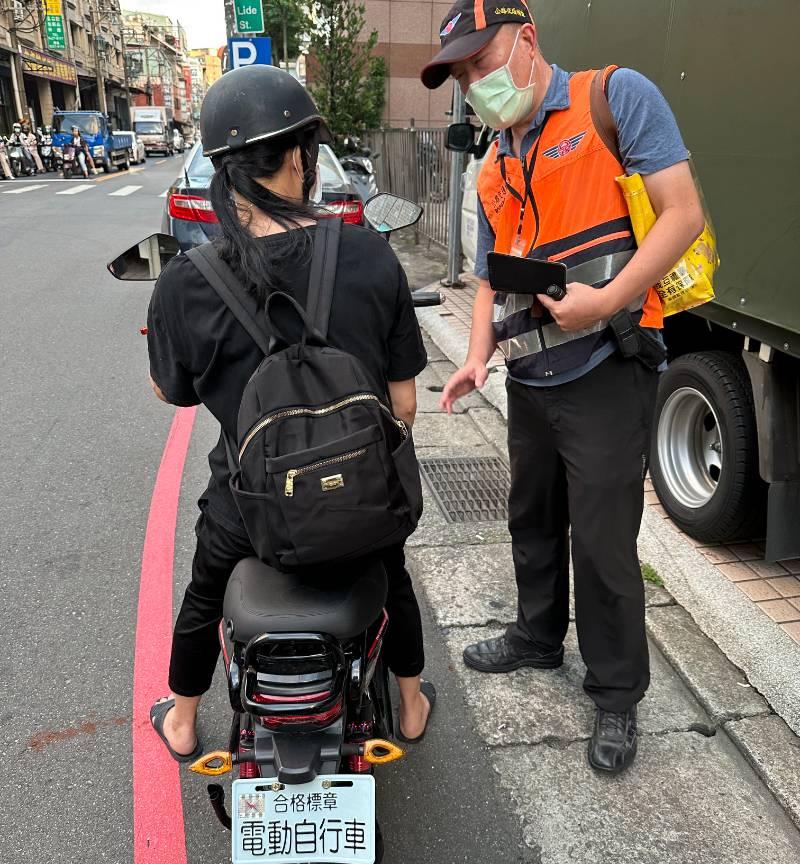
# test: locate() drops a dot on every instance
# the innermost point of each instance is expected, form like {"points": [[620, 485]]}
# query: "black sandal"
{"points": [[157, 715], [429, 692]]}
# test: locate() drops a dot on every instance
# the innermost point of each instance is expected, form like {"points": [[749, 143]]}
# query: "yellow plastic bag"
{"points": [[690, 282]]}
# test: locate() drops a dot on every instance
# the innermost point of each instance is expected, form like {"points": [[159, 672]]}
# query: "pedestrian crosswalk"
{"points": [[20, 189], [126, 190], [78, 187], [74, 190]]}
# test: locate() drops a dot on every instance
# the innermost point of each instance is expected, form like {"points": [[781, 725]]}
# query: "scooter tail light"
{"points": [[348, 211], [319, 720], [191, 208]]}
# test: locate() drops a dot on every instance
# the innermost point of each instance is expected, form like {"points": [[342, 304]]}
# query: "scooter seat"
{"points": [[340, 601]]}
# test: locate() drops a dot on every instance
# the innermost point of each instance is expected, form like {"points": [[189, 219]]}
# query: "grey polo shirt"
{"points": [[649, 141]]}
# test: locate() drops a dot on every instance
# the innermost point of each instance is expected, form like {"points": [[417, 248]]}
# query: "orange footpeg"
{"points": [[378, 751], [213, 764]]}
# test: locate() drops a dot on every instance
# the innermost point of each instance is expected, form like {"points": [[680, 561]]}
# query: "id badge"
{"points": [[518, 247]]}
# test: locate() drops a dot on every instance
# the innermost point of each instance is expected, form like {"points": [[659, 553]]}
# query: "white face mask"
{"points": [[315, 195], [497, 100]]}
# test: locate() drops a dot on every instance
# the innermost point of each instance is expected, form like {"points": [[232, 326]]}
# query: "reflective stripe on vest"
{"points": [[582, 221]]}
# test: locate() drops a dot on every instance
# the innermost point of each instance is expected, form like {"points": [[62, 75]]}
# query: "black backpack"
{"points": [[321, 471]]}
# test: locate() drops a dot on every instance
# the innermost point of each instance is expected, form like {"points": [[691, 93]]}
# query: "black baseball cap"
{"points": [[466, 28]]}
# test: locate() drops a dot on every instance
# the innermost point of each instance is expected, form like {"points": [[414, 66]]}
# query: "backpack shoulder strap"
{"points": [[323, 273], [602, 117], [223, 280]]}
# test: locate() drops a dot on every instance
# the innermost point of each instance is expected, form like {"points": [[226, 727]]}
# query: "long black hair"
{"points": [[256, 263]]}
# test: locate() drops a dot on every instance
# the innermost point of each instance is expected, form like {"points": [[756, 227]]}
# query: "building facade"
{"points": [[210, 63], [61, 54], [157, 63], [408, 36]]}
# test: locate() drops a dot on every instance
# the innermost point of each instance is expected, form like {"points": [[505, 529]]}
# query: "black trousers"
{"points": [[195, 642], [579, 454]]}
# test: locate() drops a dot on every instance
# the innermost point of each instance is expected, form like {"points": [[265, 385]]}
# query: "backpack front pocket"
{"points": [[334, 497]]}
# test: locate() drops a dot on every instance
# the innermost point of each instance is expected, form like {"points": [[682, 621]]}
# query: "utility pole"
{"points": [[456, 197], [94, 14]]}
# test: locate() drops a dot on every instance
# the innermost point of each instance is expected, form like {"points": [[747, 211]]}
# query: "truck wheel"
{"points": [[704, 461], [107, 165]]}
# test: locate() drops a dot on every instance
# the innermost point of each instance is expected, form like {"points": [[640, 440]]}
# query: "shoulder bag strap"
{"points": [[602, 117], [223, 280], [323, 273]]}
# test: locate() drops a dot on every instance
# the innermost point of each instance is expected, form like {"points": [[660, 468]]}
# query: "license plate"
{"points": [[330, 820]]}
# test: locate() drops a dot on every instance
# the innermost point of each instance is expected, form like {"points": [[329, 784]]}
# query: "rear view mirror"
{"points": [[386, 212], [144, 261], [460, 137]]}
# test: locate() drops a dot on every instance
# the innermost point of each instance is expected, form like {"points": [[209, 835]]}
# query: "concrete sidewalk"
{"points": [[717, 778]]}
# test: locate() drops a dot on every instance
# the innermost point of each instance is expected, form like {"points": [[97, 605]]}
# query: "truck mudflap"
{"points": [[776, 398]]}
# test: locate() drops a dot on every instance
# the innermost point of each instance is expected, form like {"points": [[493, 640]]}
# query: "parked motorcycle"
{"points": [[312, 713], [74, 162], [357, 164]]}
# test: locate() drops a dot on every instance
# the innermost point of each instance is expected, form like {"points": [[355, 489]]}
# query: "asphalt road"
{"points": [[82, 441]]}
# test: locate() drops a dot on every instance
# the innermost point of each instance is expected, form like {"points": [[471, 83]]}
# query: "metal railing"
{"points": [[414, 164]]}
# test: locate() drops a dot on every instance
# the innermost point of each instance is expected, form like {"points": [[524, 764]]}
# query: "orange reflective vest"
{"points": [[575, 213]]}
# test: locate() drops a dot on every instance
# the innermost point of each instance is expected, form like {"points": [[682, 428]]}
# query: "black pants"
{"points": [[579, 455], [195, 643]]}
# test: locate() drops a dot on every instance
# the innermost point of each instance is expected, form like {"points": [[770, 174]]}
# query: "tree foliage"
{"points": [[297, 25], [348, 82]]}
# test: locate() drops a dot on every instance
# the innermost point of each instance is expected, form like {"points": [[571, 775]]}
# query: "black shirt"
{"points": [[199, 353]]}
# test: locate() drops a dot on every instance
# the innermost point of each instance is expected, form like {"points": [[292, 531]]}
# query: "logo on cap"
{"points": [[449, 28]]}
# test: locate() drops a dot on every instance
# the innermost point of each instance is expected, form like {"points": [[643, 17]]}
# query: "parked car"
{"points": [[188, 215], [178, 144], [137, 153]]}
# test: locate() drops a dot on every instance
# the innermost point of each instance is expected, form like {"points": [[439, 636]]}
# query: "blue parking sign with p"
{"points": [[247, 51]]}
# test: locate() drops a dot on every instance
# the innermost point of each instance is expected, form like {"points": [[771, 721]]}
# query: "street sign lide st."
{"points": [[249, 16]]}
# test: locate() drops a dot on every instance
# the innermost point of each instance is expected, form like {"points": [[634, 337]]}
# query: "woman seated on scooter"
{"points": [[199, 353], [81, 147]]}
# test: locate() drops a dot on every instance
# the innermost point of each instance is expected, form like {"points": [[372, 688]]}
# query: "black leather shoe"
{"points": [[613, 745], [499, 655]]}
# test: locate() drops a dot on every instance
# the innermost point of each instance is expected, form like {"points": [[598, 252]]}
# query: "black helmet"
{"points": [[255, 103]]}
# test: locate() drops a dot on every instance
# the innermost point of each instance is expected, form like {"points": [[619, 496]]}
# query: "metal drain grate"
{"points": [[469, 489]]}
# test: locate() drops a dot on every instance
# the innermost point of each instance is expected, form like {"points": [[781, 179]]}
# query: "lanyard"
{"points": [[527, 175]]}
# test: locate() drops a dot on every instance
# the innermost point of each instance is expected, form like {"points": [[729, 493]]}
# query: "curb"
{"points": [[716, 627]]}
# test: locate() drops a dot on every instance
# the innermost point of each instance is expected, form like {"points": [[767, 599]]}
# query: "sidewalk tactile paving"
{"points": [[781, 611], [747, 551], [719, 555], [793, 629], [736, 572], [786, 586], [767, 569], [759, 590]]}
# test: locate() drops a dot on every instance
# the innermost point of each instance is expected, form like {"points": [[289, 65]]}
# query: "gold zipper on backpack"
{"points": [[324, 463], [317, 412]]}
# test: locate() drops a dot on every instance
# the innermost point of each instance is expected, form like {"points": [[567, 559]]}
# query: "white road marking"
{"points": [[126, 190], [74, 190], [22, 189]]}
